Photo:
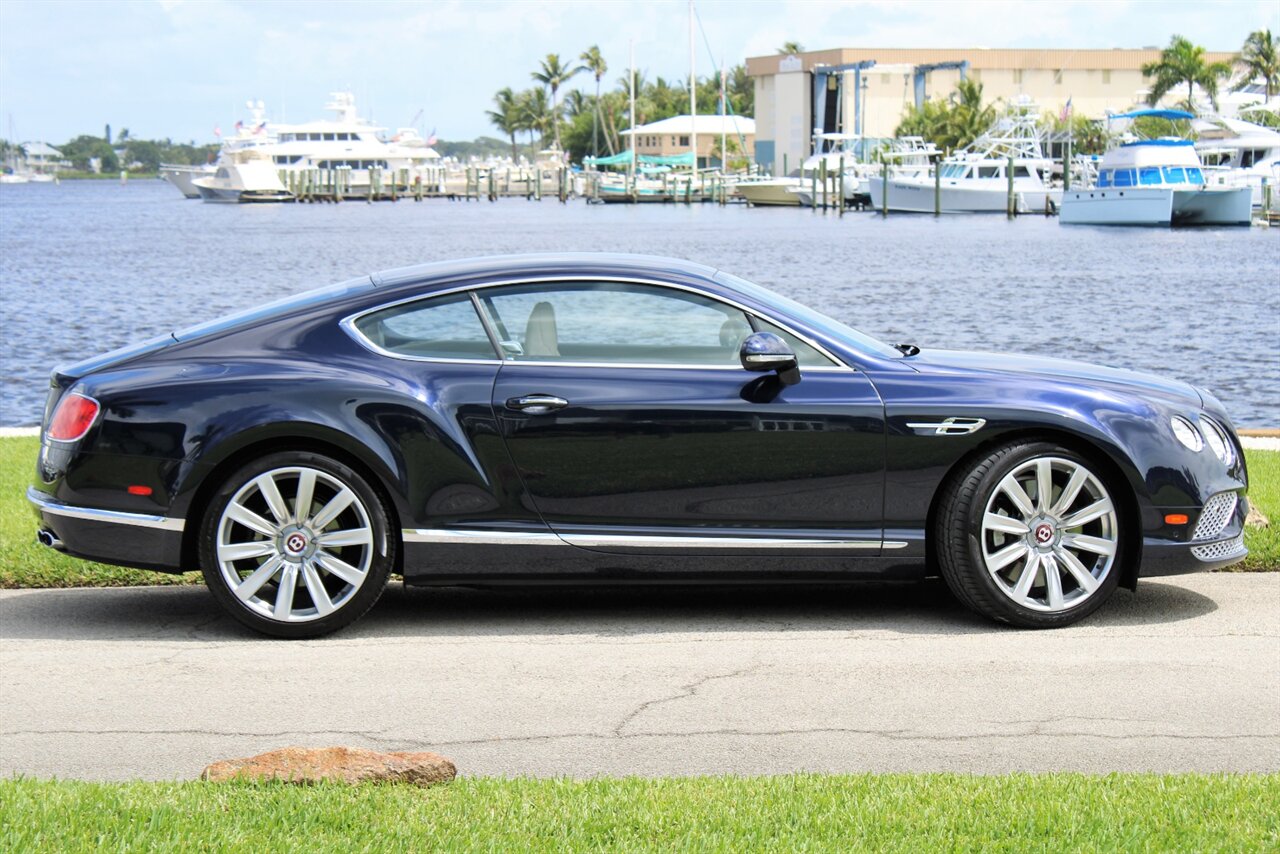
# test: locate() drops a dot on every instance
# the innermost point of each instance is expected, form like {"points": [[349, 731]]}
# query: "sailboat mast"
{"points": [[632, 87], [693, 98]]}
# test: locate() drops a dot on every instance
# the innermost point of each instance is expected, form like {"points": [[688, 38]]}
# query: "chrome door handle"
{"points": [[537, 404]]}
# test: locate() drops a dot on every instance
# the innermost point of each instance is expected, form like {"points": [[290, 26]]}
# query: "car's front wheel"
{"points": [[1030, 535], [296, 545]]}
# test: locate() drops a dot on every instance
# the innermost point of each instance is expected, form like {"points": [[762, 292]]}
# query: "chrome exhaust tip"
{"points": [[48, 538]]}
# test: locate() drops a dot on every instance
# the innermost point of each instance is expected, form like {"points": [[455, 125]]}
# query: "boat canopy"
{"points": [[623, 158], [1157, 114], [1172, 143]]}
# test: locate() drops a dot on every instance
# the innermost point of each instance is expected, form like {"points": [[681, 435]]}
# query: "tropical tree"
{"points": [[1183, 63], [789, 48], [593, 61], [553, 74], [951, 123], [507, 117], [536, 115], [1259, 60], [576, 103]]}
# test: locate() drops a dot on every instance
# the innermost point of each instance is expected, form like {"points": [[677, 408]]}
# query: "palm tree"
{"points": [[506, 117], [553, 74], [790, 48], [535, 113], [1183, 62], [594, 62], [1258, 60]]}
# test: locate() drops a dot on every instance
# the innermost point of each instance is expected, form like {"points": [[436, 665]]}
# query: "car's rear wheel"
{"points": [[1031, 535], [296, 545]]}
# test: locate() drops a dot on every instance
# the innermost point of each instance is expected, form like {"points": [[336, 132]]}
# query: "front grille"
{"points": [[1219, 551], [1215, 516]]}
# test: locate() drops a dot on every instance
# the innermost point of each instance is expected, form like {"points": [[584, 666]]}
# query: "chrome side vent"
{"points": [[955, 426]]}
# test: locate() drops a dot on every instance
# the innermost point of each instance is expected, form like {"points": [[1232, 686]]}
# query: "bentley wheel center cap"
{"points": [[295, 543]]}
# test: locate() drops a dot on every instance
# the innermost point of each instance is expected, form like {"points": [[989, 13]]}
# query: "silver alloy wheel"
{"points": [[299, 558], [1050, 534]]}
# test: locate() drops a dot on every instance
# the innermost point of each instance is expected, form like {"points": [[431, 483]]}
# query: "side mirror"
{"points": [[765, 351]]}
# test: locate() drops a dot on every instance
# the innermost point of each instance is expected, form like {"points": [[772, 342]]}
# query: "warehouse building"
{"points": [[866, 90]]}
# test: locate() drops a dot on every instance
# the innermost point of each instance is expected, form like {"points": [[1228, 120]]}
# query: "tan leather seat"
{"points": [[540, 335]]}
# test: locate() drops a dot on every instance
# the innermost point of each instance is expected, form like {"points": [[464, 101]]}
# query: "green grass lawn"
{"points": [[891, 812], [24, 563]]}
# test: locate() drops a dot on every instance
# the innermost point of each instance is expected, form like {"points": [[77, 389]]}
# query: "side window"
{"points": [[1124, 177], [607, 322], [1149, 175], [1104, 178], [614, 322], [442, 328]]}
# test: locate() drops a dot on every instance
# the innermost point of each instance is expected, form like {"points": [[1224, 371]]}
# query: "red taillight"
{"points": [[73, 418]]}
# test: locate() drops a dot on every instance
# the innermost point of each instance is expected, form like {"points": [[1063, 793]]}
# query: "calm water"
{"points": [[89, 266]]}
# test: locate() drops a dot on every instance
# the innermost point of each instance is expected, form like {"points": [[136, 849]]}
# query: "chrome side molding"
{"points": [[955, 426], [92, 514], [444, 536]]}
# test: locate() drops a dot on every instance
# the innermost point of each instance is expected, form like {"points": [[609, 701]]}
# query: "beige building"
{"points": [[672, 137], [786, 101]]}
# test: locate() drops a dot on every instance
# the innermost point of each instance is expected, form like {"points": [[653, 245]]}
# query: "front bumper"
{"points": [[112, 536], [1161, 556]]}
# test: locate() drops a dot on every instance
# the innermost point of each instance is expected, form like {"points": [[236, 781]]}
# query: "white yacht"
{"points": [[975, 179], [351, 142], [247, 175], [1155, 182], [345, 142], [1240, 153]]}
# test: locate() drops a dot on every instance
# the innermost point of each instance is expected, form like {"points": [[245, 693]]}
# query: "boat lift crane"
{"points": [[820, 75], [920, 72]]}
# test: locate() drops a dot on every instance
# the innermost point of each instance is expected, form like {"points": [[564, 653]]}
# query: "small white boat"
{"points": [[1155, 182], [976, 179], [245, 176]]}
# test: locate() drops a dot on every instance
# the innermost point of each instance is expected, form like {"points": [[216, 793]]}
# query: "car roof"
{"points": [[543, 264]]}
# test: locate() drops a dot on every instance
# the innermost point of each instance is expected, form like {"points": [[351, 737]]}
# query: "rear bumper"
{"points": [[112, 536]]}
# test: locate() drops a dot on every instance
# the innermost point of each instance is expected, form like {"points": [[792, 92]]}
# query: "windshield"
{"points": [[814, 319]]}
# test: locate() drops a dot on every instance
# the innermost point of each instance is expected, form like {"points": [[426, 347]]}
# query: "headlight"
{"points": [[1187, 433], [1216, 436]]}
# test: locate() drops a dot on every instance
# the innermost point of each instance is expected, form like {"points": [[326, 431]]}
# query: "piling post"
{"points": [[840, 195], [1011, 201], [937, 186], [884, 187], [784, 164], [1066, 169]]}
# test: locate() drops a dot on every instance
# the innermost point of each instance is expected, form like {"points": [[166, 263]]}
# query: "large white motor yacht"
{"points": [[351, 142], [1155, 182], [975, 179]]}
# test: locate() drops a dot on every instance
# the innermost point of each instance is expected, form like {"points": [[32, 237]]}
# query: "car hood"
{"points": [[1084, 373]]}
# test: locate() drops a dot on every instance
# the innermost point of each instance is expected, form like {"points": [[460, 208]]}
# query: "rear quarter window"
{"points": [[441, 328]]}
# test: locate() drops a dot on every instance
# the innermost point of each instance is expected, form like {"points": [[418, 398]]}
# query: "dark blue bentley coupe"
{"points": [[593, 418]]}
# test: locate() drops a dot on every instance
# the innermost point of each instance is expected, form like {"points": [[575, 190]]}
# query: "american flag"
{"points": [[1066, 111], [217, 131]]}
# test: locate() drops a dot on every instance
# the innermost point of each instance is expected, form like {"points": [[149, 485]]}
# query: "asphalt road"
{"points": [[152, 683]]}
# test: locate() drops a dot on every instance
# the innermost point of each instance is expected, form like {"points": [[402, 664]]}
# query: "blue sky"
{"points": [[177, 68]]}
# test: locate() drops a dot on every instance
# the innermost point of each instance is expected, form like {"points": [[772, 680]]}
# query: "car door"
{"points": [[634, 427]]}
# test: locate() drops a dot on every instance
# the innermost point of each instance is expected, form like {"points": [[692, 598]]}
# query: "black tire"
{"points": [[365, 515], [959, 534]]}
